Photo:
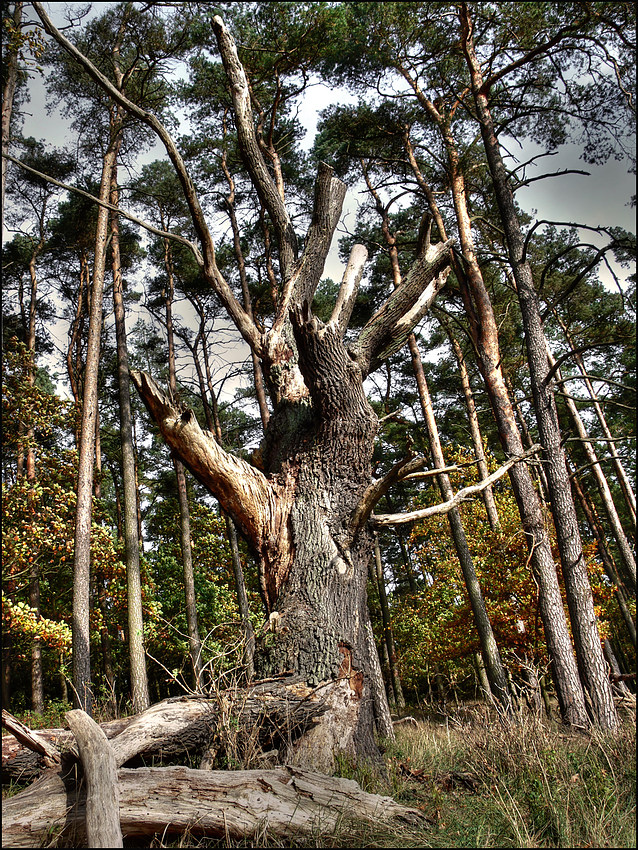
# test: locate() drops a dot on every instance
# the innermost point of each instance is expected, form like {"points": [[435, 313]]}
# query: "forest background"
{"points": [[184, 611]]}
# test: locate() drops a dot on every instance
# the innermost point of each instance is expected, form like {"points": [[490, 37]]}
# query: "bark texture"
{"points": [[286, 802], [589, 653]]}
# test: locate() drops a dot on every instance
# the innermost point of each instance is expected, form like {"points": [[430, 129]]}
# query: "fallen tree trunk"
{"points": [[268, 716], [288, 802]]}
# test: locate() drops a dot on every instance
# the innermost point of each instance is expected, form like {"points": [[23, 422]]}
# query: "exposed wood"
{"points": [[288, 802], [275, 712], [102, 787], [50, 753]]}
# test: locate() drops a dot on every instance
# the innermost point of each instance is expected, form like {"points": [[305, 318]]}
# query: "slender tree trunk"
{"points": [[82, 697], [393, 666], [605, 556], [37, 679], [621, 473], [495, 670], [591, 662], [487, 494], [484, 330], [211, 412], [194, 641], [8, 92], [620, 537], [137, 657]]}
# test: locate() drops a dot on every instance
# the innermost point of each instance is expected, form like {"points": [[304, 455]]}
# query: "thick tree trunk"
{"points": [[591, 662]]}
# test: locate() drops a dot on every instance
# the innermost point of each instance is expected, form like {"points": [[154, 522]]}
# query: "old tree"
{"points": [[303, 506]]}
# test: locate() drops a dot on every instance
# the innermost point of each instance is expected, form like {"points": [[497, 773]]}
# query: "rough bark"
{"points": [[267, 717], [608, 563], [589, 654], [137, 657]]}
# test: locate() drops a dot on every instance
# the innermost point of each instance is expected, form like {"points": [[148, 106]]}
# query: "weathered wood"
{"points": [[288, 802], [50, 754], [102, 787], [273, 714], [21, 763]]}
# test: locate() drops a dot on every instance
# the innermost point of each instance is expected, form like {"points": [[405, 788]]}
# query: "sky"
{"points": [[602, 198]]}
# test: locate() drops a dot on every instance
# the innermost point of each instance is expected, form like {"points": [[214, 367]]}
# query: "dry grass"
{"points": [[480, 783]]}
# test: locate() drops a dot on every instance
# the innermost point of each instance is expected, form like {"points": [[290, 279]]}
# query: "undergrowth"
{"points": [[482, 783], [486, 784]]}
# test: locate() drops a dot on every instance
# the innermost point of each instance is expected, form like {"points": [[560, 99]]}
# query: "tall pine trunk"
{"points": [[137, 657], [82, 688], [589, 653]]}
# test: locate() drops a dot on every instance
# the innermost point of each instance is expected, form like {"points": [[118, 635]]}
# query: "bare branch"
{"points": [[391, 325], [379, 488], [301, 285], [124, 213], [242, 490], [349, 287], [445, 507], [249, 146]]}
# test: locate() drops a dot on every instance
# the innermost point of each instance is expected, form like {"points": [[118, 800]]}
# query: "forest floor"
{"points": [[480, 783]]}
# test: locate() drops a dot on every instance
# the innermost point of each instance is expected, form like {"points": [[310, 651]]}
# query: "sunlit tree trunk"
{"points": [[591, 662], [82, 697]]}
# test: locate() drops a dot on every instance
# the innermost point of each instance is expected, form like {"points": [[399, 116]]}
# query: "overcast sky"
{"points": [[600, 199]]}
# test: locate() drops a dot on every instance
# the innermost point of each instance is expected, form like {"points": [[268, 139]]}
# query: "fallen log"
{"points": [[288, 802], [267, 716], [38, 744], [20, 763]]}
